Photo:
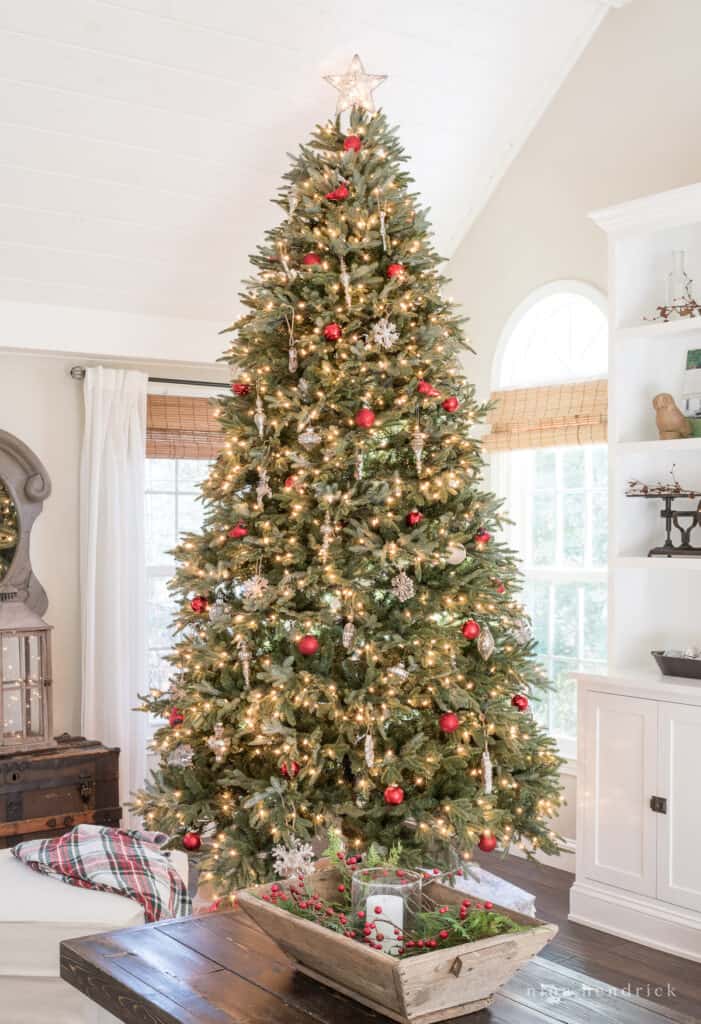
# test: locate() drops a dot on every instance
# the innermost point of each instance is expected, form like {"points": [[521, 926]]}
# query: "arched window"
{"points": [[550, 462]]}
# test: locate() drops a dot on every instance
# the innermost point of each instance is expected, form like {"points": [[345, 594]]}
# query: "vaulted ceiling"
{"points": [[141, 140]]}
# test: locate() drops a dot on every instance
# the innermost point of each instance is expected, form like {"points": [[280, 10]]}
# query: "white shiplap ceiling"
{"points": [[141, 140]]}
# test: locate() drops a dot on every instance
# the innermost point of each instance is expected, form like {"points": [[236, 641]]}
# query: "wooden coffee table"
{"points": [[221, 969]]}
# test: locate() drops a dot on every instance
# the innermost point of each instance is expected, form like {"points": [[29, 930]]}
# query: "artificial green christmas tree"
{"points": [[351, 651]]}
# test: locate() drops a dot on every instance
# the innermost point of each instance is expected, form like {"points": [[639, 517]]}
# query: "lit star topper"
{"points": [[355, 88]]}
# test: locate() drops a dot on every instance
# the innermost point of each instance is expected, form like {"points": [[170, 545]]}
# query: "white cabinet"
{"points": [[639, 811], [620, 748], [679, 830]]}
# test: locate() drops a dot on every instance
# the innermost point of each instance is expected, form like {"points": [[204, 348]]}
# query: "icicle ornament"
{"points": [[345, 283], [358, 471], [326, 537], [417, 446], [259, 418], [369, 750], [244, 657], [487, 772], [383, 227]]}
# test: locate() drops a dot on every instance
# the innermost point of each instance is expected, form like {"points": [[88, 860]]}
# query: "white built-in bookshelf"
{"points": [[653, 601]]}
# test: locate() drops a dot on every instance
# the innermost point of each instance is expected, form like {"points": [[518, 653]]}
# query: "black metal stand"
{"points": [[684, 520]]}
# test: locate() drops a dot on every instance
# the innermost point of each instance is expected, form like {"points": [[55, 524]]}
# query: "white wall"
{"points": [[624, 124], [43, 406]]}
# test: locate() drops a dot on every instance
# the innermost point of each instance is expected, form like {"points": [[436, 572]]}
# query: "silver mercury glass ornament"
{"points": [[219, 743], [417, 446], [327, 536], [369, 750], [358, 472], [259, 417], [345, 282], [263, 486], [348, 638], [487, 772], [485, 643]]}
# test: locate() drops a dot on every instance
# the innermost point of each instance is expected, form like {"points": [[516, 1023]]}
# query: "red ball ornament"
{"points": [[364, 418], [414, 517], [424, 387], [338, 193], [394, 795], [449, 722], [450, 404], [311, 259], [175, 717], [520, 701], [483, 537], [332, 332], [500, 587], [308, 644], [395, 270], [471, 629], [487, 842], [199, 604], [239, 387], [192, 841], [352, 142], [239, 530], [290, 482], [289, 769]]}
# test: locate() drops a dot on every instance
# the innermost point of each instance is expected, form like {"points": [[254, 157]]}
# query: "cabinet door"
{"points": [[618, 738], [679, 830]]}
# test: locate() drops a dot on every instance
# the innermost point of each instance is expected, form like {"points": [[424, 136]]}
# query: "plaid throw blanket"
{"points": [[112, 860]]}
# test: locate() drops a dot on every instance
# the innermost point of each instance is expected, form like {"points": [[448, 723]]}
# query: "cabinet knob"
{"points": [[658, 804]]}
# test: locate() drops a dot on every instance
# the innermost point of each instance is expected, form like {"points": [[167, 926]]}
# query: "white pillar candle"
{"points": [[390, 916]]}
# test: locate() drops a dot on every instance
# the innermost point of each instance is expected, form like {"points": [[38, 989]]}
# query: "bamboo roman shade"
{"points": [[179, 427], [546, 417]]}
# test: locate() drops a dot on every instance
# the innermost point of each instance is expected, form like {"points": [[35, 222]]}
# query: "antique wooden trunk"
{"points": [[45, 792], [434, 987]]}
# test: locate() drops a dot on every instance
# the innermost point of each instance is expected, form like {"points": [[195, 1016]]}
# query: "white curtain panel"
{"points": [[113, 591]]}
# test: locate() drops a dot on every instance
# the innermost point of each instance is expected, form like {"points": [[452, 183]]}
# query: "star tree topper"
{"points": [[355, 87]]}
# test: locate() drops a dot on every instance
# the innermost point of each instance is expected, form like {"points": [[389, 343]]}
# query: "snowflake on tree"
{"points": [[401, 728]]}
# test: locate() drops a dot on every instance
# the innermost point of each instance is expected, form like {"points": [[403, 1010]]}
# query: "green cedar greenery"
{"points": [[315, 739]]}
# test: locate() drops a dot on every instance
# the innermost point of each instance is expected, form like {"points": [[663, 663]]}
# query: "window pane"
{"points": [[573, 526], [564, 700], [544, 470], [190, 514], [566, 620], [159, 612], [543, 529], [599, 528], [573, 471], [159, 670], [594, 644], [160, 474], [538, 604], [191, 473], [599, 466], [160, 528]]}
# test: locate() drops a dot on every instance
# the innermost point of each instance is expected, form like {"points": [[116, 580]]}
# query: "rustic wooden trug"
{"points": [[434, 986]]}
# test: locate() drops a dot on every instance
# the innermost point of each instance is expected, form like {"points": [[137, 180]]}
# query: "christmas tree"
{"points": [[351, 651]]}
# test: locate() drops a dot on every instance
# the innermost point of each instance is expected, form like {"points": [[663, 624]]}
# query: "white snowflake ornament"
{"points": [[254, 588], [295, 859], [384, 333], [403, 587]]}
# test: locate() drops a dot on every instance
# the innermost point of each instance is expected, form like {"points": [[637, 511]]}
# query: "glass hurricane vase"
{"points": [[388, 898]]}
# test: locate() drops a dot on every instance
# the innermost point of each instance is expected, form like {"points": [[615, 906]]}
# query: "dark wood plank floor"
{"points": [[657, 977]]}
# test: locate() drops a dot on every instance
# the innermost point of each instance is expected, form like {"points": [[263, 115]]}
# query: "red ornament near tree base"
{"points": [[240, 387], [199, 604], [333, 331], [487, 842], [239, 530], [450, 404], [449, 722], [175, 717], [395, 270], [520, 701], [289, 769], [352, 142], [414, 517], [364, 418], [192, 842], [308, 644], [394, 795], [471, 629]]}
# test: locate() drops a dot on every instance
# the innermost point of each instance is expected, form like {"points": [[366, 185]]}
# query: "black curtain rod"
{"points": [[78, 373]]}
